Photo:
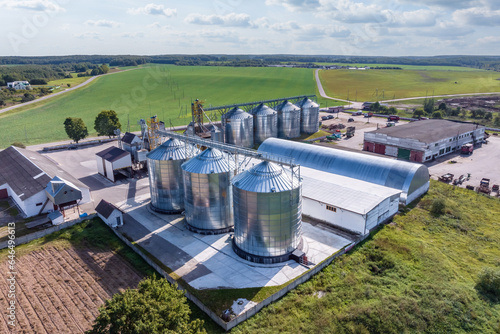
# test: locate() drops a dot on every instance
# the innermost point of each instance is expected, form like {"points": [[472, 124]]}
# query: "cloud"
{"points": [[417, 18], [132, 35], [453, 4], [285, 26], [35, 5], [489, 40], [153, 9], [102, 23], [479, 16], [229, 20], [88, 35], [295, 5]]}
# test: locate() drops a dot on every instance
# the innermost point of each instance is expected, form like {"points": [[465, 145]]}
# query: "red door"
{"points": [[416, 156], [369, 146], [380, 148], [3, 193]]}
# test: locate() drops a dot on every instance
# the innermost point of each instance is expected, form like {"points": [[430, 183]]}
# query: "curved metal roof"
{"points": [[287, 106], [210, 161], [172, 149], [402, 175], [308, 103], [263, 110], [265, 177], [236, 113]]}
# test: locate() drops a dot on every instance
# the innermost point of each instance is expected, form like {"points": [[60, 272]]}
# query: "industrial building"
{"points": [[424, 140], [112, 161], [410, 178], [131, 143], [36, 184]]}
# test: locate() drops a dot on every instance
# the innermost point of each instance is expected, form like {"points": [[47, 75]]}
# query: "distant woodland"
{"points": [[43, 69]]}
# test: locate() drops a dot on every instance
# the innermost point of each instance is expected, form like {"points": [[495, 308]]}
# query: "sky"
{"points": [[309, 27]]}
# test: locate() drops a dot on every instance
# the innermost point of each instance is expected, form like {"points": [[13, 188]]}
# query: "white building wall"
{"points": [[30, 205], [123, 162], [109, 171], [111, 220], [342, 218], [100, 168]]}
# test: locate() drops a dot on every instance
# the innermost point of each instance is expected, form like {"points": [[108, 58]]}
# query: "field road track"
{"points": [[357, 105], [61, 92]]}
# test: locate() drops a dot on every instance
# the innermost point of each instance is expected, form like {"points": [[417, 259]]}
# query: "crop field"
{"points": [[379, 85], [63, 278], [166, 91]]}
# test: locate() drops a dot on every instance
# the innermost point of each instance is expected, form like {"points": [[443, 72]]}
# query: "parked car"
{"points": [[324, 118], [357, 113], [394, 118], [350, 120], [330, 116], [368, 114], [423, 118]]}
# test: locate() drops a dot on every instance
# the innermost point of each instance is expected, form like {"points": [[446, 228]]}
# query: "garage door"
{"points": [[380, 148], [3, 193], [403, 154]]}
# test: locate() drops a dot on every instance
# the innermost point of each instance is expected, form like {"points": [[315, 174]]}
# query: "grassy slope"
{"points": [[407, 83], [415, 275], [142, 93]]}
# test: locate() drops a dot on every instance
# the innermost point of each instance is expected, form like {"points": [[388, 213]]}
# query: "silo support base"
{"points": [[167, 212], [262, 259], [209, 232]]}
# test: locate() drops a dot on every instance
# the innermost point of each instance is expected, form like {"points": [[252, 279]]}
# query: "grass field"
{"points": [[416, 275], [373, 85], [165, 91]]}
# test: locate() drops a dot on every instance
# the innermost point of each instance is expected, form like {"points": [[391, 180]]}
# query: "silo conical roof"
{"points": [[237, 113], [172, 149], [266, 177], [210, 161]]}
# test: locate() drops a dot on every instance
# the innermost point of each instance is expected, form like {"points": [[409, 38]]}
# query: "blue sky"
{"points": [[340, 27]]}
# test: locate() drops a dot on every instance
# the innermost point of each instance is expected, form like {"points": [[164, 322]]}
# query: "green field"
{"points": [[378, 85], [166, 91]]}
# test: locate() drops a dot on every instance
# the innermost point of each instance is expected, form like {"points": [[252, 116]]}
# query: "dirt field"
{"points": [[60, 290]]}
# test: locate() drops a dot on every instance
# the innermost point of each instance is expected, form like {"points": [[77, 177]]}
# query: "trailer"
{"points": [[350, 131], [446, 178]]}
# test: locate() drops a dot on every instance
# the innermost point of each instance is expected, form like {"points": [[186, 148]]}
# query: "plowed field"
{"points": [[60, 290]]}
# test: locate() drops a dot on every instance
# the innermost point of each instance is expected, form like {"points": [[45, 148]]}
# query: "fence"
{"points": [[39, 234]]}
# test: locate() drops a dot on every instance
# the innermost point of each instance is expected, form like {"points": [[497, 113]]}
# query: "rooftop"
{"points": [[28, 172], [428, 131], [129, 138], [112, 154], [105, 208]]}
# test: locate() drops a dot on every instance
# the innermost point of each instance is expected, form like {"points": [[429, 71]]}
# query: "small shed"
{"points": [[109, 213], [113, 160], [131, 143], [56, 217]]}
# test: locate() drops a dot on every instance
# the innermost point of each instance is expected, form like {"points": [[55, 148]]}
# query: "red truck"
{"points": [[394, 118], [467, 149]]}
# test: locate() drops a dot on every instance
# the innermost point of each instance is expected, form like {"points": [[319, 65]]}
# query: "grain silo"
{"points": [[309, 116], [267, 214], [265, 123], [288, 120], [238, 127], [207, 192], [165, 175]]}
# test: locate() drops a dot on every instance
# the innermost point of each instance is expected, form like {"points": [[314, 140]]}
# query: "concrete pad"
{"points": [[208, 261]]}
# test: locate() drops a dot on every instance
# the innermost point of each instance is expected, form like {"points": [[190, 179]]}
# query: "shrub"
{"points": [[438, 206], [489, 283], [18, 144]]}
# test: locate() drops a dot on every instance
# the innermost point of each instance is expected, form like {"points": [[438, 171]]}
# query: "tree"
{"points": [[488, 116], [437, 114], [155, 307], [497, 121], [75, 128], [2, 103], [106, 123], [429, 106], [27, 97], [442, 106], [418, 113]]}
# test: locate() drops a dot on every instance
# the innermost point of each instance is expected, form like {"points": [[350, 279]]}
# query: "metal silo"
{"points": [[207, 192], [309, 116], [265, 123], [288, 120], [238, 127], [267, 214], [165, 175]]}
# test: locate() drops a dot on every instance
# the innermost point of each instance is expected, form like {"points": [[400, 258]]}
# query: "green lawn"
{"points": [[416, 275], [165, 91], [373, 85]]}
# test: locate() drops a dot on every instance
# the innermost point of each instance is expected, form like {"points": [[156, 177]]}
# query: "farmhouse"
{"points": [[424, 140], [36, 184], [19, 85]]}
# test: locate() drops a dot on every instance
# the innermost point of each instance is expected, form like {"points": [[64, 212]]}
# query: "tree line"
{"points": [[105, 124]]}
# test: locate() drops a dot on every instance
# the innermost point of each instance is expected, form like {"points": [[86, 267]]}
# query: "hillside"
{"points": [[417, 274]]}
